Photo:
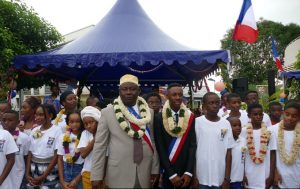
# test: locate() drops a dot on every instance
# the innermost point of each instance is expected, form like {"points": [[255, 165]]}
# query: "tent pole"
{"points": [[191, 96], [21, 99], [79, 92]]}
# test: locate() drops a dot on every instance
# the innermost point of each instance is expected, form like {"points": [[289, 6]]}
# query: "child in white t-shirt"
{"points": [[68, 101], [70, 162], [223, 111], [261, 154], [8, 148], [234, 104], [275, 112], [214, 143], [253, 98], [238, 154], [90, 117], [10, 123], [41, 168], [287, 133], [4, 106]]}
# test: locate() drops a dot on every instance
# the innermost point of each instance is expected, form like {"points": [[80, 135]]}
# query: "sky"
{"points": [[199, 24]]}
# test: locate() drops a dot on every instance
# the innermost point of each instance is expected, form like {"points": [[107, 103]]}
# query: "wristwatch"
{"points": [[227, 179]]}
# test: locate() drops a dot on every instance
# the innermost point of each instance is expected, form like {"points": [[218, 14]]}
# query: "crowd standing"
{"points": [[138, 142]]}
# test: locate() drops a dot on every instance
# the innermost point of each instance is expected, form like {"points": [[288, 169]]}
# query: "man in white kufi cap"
{"points": [[125, 130]]}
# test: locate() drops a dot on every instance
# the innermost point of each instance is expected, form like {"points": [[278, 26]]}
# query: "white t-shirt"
{"points": [[61, 123], [1, 126], [290, 174], [266, 119], [7, 146], [85, 138], [238, 160], [243, 118], [18, 170], [223, 113], [61, 151], [213, 141], [44, 146], [258, 173], [27, 132]]}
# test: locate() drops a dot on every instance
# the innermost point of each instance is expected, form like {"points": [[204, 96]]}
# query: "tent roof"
{"points": [[125, 41], [292, 74]]}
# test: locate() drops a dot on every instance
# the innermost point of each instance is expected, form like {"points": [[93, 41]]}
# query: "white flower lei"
{"points": [[123, 114], [288, 159], [168, 121]]}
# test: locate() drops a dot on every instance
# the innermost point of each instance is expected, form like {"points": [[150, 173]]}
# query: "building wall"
{"points": [[290, 54]]}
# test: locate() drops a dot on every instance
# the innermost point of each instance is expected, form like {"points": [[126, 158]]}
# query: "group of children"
{"points": [[243, 152], [262, 154], [49, 157]]}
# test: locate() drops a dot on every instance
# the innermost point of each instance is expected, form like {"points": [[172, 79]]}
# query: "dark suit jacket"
{"points": [[186, 159]]}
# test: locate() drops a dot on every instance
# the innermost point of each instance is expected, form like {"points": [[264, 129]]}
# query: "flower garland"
{"points": [[173, 129], [122, 114], [66, 142], [16, 133], [288, 159], [58, 117], [264, 139], [37, 134]]}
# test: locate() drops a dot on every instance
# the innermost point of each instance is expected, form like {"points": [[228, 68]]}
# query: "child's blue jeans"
{"points": [[71, 171], [236, 185]]}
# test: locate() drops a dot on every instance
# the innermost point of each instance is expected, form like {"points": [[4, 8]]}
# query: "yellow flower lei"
{"points": [[288, 159], [168, 121], [264, 139], [58, 117], [67, 140]]}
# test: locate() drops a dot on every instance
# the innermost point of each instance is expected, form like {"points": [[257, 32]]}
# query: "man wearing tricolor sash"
{"points": [[174, 130], [125, 134]]}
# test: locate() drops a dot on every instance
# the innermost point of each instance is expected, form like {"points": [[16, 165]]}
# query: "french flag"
{"points": [[276, 56], [245, 28]]}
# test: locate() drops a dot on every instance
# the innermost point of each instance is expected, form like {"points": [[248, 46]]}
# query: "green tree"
{"points": [[293, 85], [22, 31], [254, 60]]}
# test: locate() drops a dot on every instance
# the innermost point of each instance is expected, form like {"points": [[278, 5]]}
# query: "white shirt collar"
{"points": [[136, 109], [173, 112]]}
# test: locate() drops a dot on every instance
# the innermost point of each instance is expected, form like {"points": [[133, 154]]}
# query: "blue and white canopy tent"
{"points": [[291, 74], [125, 41]]}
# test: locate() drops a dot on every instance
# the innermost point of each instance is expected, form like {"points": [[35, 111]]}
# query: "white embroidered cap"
{"points": [[128, 78]]}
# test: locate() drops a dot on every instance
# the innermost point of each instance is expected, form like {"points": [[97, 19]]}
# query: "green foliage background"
{"points": [[254, 60], [293, 85], [22, 31]]}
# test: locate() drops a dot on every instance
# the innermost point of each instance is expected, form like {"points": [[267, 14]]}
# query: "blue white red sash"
{"points": [[135, 127], [146, 136], [176, 144]]}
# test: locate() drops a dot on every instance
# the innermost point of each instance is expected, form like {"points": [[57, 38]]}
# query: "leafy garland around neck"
{"points": [[66, 144], [173, 129], [264, 139], [288, 159], [123, 116]]}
